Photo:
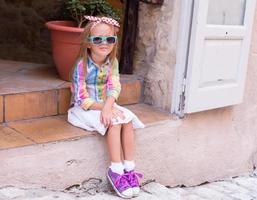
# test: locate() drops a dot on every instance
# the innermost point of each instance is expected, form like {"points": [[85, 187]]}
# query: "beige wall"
{"points": [[250, 104]]}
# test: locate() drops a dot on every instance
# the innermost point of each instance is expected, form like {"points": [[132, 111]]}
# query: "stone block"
{"points": [[130, 93], [64, 100], [11, 138], [1, 109], [30, 105]]}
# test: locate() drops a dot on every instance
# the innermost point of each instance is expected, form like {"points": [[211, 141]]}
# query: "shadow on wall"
{"points": [[23, 36]]}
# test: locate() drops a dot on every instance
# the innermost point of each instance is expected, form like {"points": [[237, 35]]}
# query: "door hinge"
{"points": [[182, 99], [184, 85]]}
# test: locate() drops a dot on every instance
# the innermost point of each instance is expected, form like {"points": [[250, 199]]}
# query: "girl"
{"points": [[95, 88]]}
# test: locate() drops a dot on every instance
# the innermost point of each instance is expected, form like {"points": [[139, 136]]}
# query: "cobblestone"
{"points": [[192, 197], [228, 187], [241, 196], [207, 193], [11, 192], [238, 188], [247, 182]]}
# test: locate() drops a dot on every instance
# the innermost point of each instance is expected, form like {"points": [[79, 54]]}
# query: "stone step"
{"points": [[50, 152], [29, 90], [56, 128]]}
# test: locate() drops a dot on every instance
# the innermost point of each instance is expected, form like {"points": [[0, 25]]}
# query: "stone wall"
{"points": [[155, 54]]}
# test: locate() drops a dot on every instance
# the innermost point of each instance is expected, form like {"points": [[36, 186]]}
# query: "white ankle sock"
{"points": [[117, 167], [129, 165]]}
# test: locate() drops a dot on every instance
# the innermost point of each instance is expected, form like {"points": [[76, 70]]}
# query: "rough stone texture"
{"points": [[94, 189], [155, 54]]}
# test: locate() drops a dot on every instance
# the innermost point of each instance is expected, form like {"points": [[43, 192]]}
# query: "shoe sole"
{"points": [[117, 191], [135, 195]]}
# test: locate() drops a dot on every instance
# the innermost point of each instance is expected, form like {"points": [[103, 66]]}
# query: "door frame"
{"points": [[129, 36], [183, 46]]}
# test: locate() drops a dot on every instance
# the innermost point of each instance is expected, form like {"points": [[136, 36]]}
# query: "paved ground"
{"points": [[239, 188]]}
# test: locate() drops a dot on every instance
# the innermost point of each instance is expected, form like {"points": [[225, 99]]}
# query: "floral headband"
{"points": [[106, 20]]}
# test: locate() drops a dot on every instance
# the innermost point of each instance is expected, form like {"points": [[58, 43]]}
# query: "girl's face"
{"points": [[103, 49]]}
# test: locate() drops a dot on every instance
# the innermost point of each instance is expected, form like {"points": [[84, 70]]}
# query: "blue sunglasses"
{"points": [[101, 39]]}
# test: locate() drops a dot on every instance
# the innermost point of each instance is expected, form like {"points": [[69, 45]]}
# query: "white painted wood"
{"points": [[218, 59], [186, 7]]}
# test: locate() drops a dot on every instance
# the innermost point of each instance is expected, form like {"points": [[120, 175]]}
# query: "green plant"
{"points": [[78, 8]]}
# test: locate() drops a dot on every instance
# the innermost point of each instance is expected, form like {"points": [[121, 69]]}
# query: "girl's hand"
{"points": [[117, 113], [106, 116]]}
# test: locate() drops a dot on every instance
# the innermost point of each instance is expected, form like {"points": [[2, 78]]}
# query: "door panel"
{"points": [[218, 53], [215, 68]]}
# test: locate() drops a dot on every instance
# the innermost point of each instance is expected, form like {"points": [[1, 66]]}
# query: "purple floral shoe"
{"points": [[120, 184], [132, 178]]}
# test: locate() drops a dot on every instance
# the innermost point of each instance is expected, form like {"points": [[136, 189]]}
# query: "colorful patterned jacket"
{"points": [[100, 83]]}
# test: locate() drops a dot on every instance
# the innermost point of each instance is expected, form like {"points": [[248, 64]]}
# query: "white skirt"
{"points": [[90, 119]]}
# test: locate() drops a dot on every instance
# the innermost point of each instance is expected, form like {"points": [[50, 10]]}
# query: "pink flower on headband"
{"points": [[106, 20]]}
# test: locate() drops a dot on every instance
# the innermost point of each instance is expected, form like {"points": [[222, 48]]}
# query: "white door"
{"points": [[218, 53]]}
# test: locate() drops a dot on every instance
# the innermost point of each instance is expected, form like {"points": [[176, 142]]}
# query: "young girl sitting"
{"points": [[95, 88]]}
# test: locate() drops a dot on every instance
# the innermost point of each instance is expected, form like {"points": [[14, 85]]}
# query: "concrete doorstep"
{"points": [[238, 188]]}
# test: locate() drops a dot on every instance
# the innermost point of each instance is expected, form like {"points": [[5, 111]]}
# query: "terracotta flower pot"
{"points": [[66, 39]]}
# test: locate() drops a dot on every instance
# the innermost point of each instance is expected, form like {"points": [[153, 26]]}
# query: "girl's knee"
{"points": [[127, 125], [116, 126]]}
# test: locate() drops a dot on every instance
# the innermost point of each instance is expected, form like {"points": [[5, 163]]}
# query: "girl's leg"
{"points": [[128, 145], [115, 173], [127, 141], [114, 143]]}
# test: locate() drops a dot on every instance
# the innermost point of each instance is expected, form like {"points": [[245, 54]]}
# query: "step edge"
{"points": [[62, 86], [175, 122]]}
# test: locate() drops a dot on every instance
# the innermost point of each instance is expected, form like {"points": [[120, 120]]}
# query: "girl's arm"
{"points": [[113, 81], [113, 91], [81, 96]]}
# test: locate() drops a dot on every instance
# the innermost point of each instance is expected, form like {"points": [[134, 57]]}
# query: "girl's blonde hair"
{"points": [[84, 50]]}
